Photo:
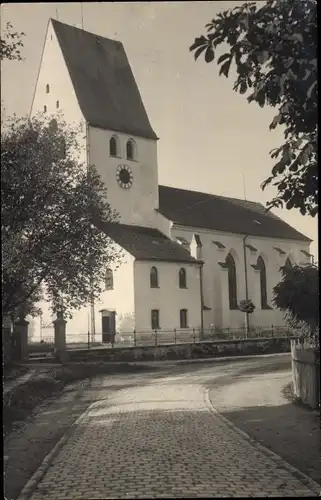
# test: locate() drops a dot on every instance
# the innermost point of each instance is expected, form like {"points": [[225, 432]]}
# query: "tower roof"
{"points": [[105, 86]]}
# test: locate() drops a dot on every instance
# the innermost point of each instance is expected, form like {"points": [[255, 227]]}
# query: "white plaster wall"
{"points": [[215, 278], [168, 298], [53, 71], [120, 299], [136, 204]]}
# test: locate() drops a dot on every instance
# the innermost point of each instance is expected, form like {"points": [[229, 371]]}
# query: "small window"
{"points": [[183, 318], [182, 278], [109, 279], [57, 104], [47, 88], [45, 109], [113, 147], [130, 150], [155, 319], [153, 278]]}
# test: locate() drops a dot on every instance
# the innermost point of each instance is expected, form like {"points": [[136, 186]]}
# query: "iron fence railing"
{"points": [[147, 338]]}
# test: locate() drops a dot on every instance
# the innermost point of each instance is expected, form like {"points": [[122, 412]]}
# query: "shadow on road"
{"points": [[289, 431]]}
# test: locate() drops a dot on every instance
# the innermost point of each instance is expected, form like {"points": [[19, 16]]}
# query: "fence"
{"points": [[306, 372], [85, 340], [176, 336]]}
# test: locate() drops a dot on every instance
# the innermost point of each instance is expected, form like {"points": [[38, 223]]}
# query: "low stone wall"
{"points": [[306, 373], [186, 351]]}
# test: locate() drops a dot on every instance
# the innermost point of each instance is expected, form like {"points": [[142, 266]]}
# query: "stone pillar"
{"points": [[60, 337], [20, 333], [6, 339]]}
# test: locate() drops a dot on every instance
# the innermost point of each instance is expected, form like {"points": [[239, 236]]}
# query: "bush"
{"points": [[297, 295]]}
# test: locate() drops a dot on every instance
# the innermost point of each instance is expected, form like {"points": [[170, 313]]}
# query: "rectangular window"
{"points": [[183, 318], [109, 280], [155, 319]]}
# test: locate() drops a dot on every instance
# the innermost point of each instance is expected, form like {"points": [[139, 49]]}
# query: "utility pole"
{"points": [[40, 326], [82, 16]]}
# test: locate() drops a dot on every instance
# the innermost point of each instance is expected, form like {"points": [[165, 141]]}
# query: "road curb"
{"points": [[9, 387], [305, 480], [36, 477]]}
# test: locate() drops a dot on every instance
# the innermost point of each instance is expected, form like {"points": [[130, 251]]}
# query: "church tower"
{"points": [[89, 79]]}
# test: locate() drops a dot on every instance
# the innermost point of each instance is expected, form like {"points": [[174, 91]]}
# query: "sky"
{"points": [[211, 139]]}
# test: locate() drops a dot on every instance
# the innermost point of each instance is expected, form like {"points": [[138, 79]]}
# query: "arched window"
{"points": [[109, 279], [53, 125], [232, 285], [261, 267], [130, 150], [182, 278], [153, 278], [113, 146], [47, 88], [57, 104], [45, 109]]}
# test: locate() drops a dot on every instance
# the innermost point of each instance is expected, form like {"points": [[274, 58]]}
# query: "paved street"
{"points": [[161, 438]]}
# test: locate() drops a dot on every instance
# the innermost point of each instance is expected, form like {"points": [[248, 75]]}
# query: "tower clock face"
{"points": [[124, 176]]}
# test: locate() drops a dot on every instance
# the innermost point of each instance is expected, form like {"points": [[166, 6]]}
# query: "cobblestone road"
{"points": [[161, 440]]}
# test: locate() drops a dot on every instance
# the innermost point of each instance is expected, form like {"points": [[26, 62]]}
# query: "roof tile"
{"points": [[146, 244], [217, 213], [103, 81]]}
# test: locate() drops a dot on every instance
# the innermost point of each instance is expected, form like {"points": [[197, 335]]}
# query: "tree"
{"points": [[50, 208], [273, 47], [10, 44], [297, 295]]}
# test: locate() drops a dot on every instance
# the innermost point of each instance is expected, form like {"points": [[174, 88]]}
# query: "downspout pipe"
{"points": [[202, 299], [246, 284], [92, 301]]}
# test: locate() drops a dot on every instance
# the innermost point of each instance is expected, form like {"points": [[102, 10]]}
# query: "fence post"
{"points": [[272, 332], [60, 336], [194, 335], [20, 332], [175, 335], [155, 337], [88, 339], [6, 339], [134, 337]]}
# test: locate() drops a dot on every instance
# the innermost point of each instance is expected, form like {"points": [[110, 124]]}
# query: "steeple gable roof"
{"points": [[105, 86]]}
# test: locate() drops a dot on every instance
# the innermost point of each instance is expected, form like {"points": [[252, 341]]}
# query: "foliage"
{"points": [[10, 44], [50, 206], [297, 295], [273, 46], [247, 306]]}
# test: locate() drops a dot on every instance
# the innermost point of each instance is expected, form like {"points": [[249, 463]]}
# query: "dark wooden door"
{"points": [[109, 327]]}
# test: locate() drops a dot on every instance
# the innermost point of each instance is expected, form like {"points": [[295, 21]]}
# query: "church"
{"points": [[189, 257]]}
